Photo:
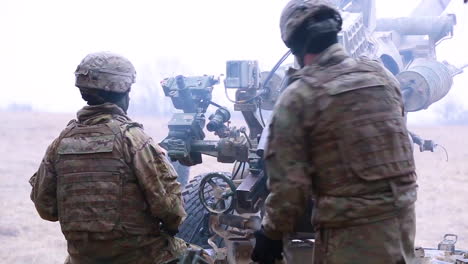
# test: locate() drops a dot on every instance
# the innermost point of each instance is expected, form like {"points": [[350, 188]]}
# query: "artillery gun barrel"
{"points": [[424, 83], [205, 146], [428, 25], [430, 8]]}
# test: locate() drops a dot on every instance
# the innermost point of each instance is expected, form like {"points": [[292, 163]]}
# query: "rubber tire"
{"points": [[194, 229]]}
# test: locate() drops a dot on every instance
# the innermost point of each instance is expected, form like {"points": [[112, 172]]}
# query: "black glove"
{"points": [[169, 231], [266, 250]]}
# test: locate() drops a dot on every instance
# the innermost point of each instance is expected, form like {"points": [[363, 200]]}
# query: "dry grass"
{"points": [[25, 238], [442, 201]]}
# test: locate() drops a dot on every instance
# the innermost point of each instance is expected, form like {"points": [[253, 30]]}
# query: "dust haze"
{"points": [[43, 41]]}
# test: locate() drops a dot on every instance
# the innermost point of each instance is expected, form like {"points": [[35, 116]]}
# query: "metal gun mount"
{"points": [[185, 142], [193, 95], [406, 46]]}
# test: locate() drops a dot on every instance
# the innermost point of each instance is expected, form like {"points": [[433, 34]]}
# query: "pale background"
{"points": [[42, 42]]}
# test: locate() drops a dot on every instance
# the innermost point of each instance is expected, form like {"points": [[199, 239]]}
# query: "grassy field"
{"points": [[25, 238]]}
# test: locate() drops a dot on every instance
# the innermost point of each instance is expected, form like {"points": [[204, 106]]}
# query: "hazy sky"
{"points": [[43, 41]]}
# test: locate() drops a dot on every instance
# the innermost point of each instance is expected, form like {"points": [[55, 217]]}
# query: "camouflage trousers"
{"points": [[390, 241], [134, 250]]}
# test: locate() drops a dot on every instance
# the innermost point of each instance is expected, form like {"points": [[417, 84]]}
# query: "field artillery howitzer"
{"points": [[231, 203], [225, 208], [406, 46]]}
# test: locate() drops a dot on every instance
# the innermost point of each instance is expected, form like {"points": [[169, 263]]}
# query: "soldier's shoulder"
{"points": [[293, 98], [135, 134], [304, 84], [52, 148], [364, 73], [379, 69], [70, 125], [382, 71], [310, 79], [71, 122], [367, 60], [294, 92]]}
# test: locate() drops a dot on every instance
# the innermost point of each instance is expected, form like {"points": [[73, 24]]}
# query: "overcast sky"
{"points": [[43, 41]]}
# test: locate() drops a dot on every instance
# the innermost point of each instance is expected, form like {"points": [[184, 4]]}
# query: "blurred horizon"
{"points": [[47, 39]]}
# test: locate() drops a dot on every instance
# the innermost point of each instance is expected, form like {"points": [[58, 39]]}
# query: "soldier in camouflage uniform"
{"points": [[111, 188], [338, 136]]}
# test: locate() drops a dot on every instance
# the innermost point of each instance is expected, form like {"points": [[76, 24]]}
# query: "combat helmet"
{"points": [[105, 71], [298, 12]]}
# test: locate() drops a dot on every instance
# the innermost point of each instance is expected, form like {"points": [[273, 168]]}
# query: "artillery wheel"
{"points": [[195, 229]]}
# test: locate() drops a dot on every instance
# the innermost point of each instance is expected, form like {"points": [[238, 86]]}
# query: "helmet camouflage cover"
{"points": [[296, 12], [105, 71]]}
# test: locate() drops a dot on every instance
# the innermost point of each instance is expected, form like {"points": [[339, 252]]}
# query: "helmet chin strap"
{"points": [[124, 102], [300, 55], [300, 60]]}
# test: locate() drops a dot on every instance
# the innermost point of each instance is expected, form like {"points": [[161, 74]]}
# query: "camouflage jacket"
{"points": [[155, 176], [338, 136]]}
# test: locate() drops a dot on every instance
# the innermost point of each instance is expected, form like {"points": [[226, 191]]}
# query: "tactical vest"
{"points": [[96, 189], [360, 134]]}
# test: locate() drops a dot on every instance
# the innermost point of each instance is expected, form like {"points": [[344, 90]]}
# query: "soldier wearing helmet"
{"points": [[349, 150], [111, 188]]}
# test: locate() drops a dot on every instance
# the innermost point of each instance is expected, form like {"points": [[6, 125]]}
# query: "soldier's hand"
{"points": [[266, 250], [170, 231]]}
